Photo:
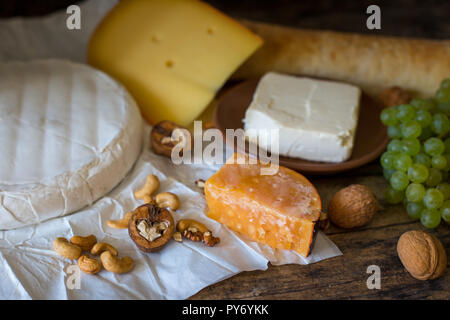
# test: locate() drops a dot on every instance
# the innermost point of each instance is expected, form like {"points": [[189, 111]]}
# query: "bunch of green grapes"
{"points": [[417, 160]]}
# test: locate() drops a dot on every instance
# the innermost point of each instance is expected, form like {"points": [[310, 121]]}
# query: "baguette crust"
{"points": [[370, 62]]}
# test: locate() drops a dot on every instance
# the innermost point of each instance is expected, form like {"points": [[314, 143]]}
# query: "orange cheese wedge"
{"points": [[279, 210]]}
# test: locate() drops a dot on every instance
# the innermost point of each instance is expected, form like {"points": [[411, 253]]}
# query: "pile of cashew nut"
{"points": [[162, 200], [188, 229], [74, 248], [85, 249]]}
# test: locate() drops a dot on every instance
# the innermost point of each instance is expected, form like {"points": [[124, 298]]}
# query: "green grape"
{"points": [[424, 118], [439, 162], [422, 158], [430, 218], [426, 133], [434, 177], [444, 107], [444, 174], [447, 158], [425, 104], [394, 132], [389, 117], [434, 146], [393, 196], [405, 112], [444, 187], [442, 95], [414, 210], [395, 145], [433, 199], [402, 162], [445, 84], [418, 173], [445, 211], [447, 145], [410, 146], [415, 192], [399, 181], [411, 129], [387, 160], [387, 173], [440, 124]]}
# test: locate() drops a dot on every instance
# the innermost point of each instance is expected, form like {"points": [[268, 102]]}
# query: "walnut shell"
{"points": [[160, 138], [353, 206], [150, 213], [422, 255], [395, 96]]}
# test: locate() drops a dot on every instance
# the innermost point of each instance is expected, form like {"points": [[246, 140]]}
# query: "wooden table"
{"points": [[345, 277], [342, 277]]}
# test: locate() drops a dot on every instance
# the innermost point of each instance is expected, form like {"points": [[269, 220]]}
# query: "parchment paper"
{"points": [[30, 269]]}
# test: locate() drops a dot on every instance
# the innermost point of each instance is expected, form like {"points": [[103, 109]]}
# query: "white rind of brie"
{"points": [[316, 119], [69, 134]]}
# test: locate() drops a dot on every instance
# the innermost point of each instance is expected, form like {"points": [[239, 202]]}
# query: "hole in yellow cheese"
{"points": [[169, 63], [156, 38]]}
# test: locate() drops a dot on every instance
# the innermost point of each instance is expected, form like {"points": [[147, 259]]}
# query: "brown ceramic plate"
{"points": [[370, 140]]}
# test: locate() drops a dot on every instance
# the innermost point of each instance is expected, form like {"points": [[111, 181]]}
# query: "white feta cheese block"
{"points": [[68, 135], [316, 119]]}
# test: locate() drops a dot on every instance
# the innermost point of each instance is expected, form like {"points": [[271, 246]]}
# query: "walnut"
{"points": [[200, 183], [151, 231], [151, 227], [395, 96], [422, 254], [353, 206], [193, 235], [177, 237], [165, 135], [209, 240], [196, 231]]}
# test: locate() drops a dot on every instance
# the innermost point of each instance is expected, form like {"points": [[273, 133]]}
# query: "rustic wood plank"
{"points": [[342, 277], [404, 18]]}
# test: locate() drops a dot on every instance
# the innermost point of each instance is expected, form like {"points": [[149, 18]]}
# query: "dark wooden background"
{"points": [[342, 277], [408, 18]]}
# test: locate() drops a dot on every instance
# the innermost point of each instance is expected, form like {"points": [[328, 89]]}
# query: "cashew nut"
{"points": [[89, 265], [100, 247], [151, 185], [121, 223], [66, 249], [114, 264], [167, 200], [148, 199], [85, 243], [191, 225]]}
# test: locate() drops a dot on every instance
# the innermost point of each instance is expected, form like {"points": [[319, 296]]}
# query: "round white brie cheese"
{"points": [[68, 135]]}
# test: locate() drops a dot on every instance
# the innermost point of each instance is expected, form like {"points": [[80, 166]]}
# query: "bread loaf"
{"points": [[368, 61]]}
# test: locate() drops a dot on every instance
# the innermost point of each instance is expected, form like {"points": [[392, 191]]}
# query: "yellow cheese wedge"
{"points": [[280, 210], [172, 55]]}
